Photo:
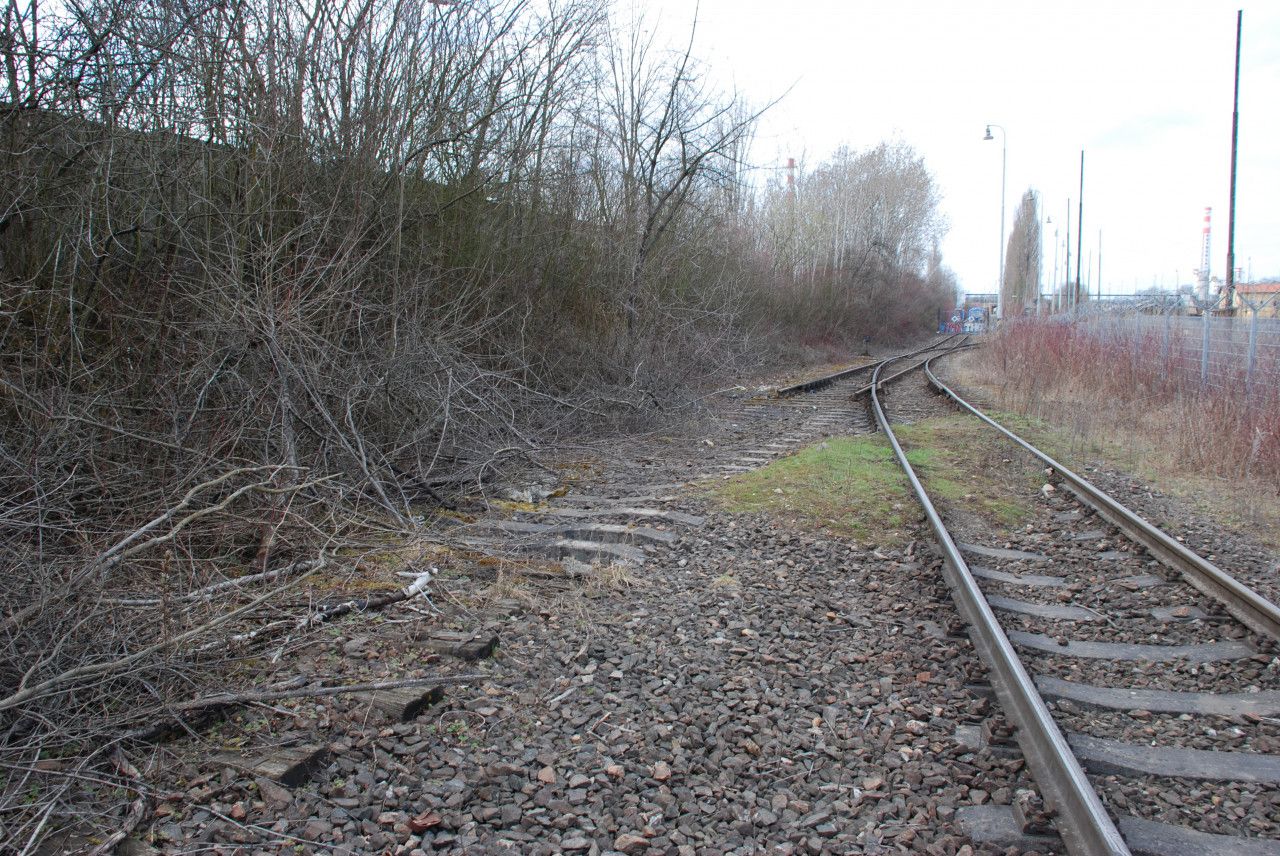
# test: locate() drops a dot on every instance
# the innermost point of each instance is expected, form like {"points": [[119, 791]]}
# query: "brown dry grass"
{"points": [[1167, 443]]}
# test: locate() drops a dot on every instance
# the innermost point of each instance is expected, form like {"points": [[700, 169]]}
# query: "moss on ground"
{"points": [[852, 486], [849, 486], [964, 462]]}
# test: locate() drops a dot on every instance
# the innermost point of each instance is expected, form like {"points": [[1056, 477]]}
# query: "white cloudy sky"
{"points": [[1143, 87]]}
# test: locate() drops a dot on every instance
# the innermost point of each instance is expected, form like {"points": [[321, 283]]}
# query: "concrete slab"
{"points": [[1209, 652], [1054, 611], [1140, 581], [595, 551], [1133, 759], [1018, 579], [1161, 701], [1148, 838], [1002, 553], [996, 826], [624, 511]]}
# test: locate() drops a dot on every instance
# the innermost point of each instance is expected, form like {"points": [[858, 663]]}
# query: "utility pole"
{"points": [[1004, 161], [1080, 227], [1235, 139], [1099, 266], [1055, 299]]}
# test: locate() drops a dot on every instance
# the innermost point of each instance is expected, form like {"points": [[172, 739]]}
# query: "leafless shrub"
{"points": [[269, 272]]}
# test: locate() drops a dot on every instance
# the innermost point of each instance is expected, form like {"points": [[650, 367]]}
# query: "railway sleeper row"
{"points": [[1085, 610]]}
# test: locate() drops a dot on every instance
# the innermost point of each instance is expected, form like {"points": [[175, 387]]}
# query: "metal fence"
{"points": [[1194, 341]]}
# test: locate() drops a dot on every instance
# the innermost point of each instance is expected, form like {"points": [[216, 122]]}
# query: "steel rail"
{"points": [[1245, 604], [826, 380], [861, 391], [1082, 821]]}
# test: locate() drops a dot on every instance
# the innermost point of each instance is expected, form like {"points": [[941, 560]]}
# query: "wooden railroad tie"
{"points": [[290, 766], [464, 646], [404, 704]]}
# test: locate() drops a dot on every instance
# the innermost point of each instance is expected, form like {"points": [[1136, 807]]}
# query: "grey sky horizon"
{"points": [[1144, 88]]}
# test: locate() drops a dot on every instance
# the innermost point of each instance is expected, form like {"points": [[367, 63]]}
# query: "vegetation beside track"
{"points": [[853, 487], [959, 459], [846, 485], [1121, 434], [252, 322]]}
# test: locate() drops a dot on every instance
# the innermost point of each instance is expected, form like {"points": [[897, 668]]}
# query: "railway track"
{"points": [[621, 523], [1135, 674], [679, 676]]}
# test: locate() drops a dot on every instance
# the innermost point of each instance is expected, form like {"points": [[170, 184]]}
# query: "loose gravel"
{"points": [[753, 687], [1101, 572]]}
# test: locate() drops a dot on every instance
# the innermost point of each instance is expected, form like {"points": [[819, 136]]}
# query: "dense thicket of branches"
{"points": [[267, 266]]}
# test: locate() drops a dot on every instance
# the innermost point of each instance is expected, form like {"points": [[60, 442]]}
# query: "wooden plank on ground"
{"points": [[404, 704], [290, 766]]}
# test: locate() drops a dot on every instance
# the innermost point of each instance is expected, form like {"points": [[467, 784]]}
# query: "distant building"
{"points": [[987, 301], [1264, 294]]}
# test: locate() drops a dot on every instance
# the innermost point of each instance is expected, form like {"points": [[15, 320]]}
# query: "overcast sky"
{"points": [[1143, 87]]}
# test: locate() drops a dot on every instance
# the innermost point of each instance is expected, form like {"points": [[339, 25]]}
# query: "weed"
{"points": [[963, 461], [1137, 404], [609, 576], [850, 485]]}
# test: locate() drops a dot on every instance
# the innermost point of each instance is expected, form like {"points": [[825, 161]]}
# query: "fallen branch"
{"points": [[209, 591], [113, 555], [293, 688], [138, 809], [369, 604], [27, 693], [415, 588], [125, 549], [290, 691]]}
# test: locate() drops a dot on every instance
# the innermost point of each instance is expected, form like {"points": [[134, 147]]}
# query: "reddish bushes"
{"points": [[1147, 372]]}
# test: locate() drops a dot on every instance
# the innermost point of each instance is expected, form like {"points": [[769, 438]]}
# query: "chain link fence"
{"points": [[1202, 383], [1195, 341]]}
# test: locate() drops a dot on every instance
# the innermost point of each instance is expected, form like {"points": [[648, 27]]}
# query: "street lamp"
{"points": [[1004, 152]]}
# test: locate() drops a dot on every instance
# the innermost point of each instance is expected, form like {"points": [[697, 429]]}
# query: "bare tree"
{"points": [[273, 272], [851, 235]]}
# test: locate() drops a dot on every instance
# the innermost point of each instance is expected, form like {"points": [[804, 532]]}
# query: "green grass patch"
{"points": [[965, 463], [852, 486], [849, 486]]}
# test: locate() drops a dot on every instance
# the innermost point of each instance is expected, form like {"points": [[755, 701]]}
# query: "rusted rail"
{"points": [[1246, 605], [826, 380], [1083, 823]]}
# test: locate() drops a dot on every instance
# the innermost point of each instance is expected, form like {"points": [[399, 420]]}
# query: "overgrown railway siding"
{"points": [[754, 684], [760, 680]]}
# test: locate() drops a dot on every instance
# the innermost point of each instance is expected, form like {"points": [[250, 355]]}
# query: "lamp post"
{"points": [[1055, 296], [1004, 152]]}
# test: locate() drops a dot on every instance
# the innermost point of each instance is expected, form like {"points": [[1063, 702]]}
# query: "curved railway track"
{"points": [[1191, 641]]}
